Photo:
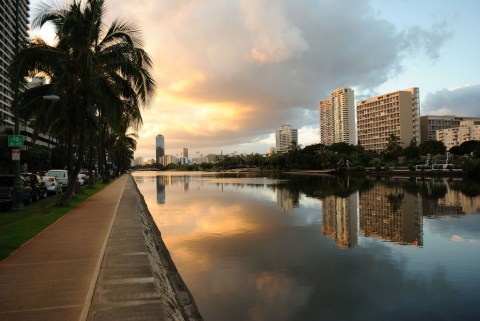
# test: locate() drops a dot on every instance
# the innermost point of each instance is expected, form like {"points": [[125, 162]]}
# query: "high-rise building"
{"points": [[167, 160], [337, 118], [185, 152], [429, 124], [8, 28], [395, 113], [285, 135], [160, 147], [468, 130]]}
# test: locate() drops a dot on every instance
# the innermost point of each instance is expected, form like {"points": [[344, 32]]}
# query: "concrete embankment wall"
{"points": [[168, 281]]}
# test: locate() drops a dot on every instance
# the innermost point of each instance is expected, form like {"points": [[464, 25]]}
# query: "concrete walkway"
{"points": [[53, 276]]}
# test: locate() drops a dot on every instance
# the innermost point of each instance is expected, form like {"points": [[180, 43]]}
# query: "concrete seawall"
{"points": [[167, 279], [137, 279]]}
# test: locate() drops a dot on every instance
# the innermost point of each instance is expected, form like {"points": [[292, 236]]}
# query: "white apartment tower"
{"points": [[7, 39], [396, 112], [337, 118], [285, 135]]}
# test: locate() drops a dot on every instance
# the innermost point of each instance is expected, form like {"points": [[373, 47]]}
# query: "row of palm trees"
{"points": [[102, 76]]}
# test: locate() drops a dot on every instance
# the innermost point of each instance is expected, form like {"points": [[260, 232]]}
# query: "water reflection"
{"points": [[390, 214], [311, 248], [339, 220]]}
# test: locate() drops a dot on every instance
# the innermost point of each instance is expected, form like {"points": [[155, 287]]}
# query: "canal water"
{"points": [[300, 247]]}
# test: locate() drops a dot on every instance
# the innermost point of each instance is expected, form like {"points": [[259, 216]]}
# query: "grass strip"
{"points": [[17, 227]]}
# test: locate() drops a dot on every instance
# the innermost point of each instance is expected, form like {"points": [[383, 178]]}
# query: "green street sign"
{"points": [[15, 140]]}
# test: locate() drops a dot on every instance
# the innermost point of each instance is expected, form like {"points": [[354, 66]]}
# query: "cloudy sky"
{"points": [[230, 72]]}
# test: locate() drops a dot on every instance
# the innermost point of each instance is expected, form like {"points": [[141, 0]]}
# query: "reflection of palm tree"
{"points": [[395, 200]]}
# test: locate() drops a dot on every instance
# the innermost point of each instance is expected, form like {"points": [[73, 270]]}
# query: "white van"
{"points": [[61, 175]]}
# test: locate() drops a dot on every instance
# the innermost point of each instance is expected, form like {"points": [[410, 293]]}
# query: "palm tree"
{"points": [[102, 77], [393, 144]]}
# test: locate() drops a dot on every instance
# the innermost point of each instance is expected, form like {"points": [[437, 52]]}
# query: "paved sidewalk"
{"points": [[53, 276], [125, 288]]}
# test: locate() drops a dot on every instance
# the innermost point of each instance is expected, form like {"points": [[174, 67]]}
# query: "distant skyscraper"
{"points": [[395, 113], [185, 152], [337, 118], [285, 135], [7, 39], [160, 147]]}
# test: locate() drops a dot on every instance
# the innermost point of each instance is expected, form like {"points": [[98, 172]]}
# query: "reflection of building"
{"points": [[339, 219], [286, 199], [337, 118], [179, 182], [160, 147], [390, 214], [160, 189], [395, 113], [285, 135], [451, 202]]}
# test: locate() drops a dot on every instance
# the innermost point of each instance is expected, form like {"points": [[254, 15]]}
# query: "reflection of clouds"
{"points": [[243, 259], [467, 226], [458, 238], [207, 218], [278, 297]]}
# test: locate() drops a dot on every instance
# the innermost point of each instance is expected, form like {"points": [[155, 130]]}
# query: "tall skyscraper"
{"points": [[337, 118], [160, 147], [285, 135], [8, 41], [395, 113], [185, 152]]}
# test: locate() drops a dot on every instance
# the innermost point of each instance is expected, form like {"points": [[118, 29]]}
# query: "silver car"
{"points": [[53, 185]]}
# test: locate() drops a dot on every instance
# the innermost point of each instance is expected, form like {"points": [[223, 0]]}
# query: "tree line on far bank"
{"points": [[319, 157]]}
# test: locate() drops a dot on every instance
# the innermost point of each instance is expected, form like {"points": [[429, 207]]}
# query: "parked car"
{"points": [[61, 175], [82, 179], [39, 190], [7, 191], [52, 184]]}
